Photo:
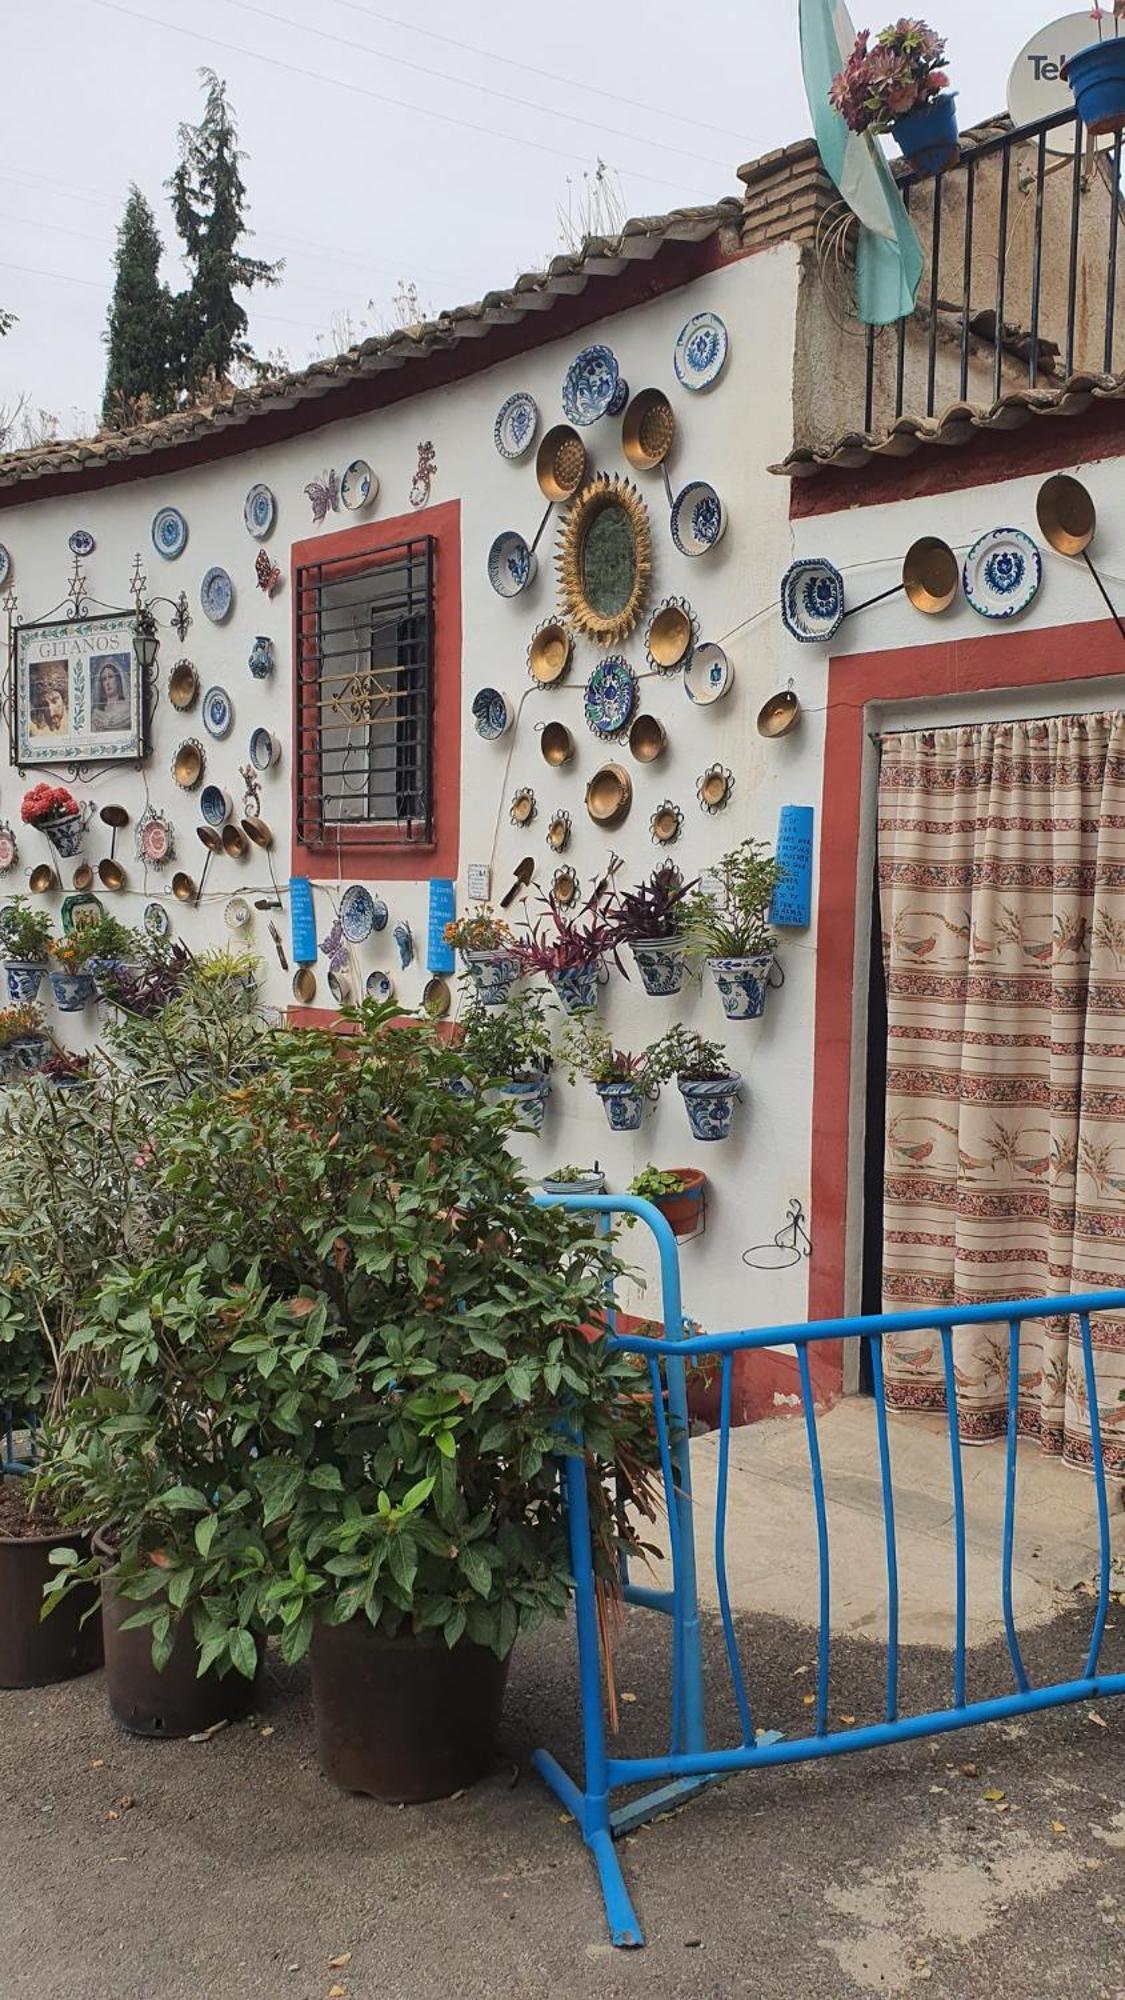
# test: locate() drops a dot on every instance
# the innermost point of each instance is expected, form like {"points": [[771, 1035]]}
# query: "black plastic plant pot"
{"points": [[401, 1720], [35, 1651], [177, 1700]]}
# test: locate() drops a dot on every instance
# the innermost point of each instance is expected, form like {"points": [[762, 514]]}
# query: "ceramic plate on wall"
{"points": [[357, 913], [379, 986], [217, 713], [259, 511], [590, 385], [157, 922], [699, 519], [1003, 571], [708, 675], [511, 564], [701, 351], [491, 714], [216, 594], [265, 749], [611, 696], [517, 421], [358, 486], [169, 533], [81, 542], [812, 598]]}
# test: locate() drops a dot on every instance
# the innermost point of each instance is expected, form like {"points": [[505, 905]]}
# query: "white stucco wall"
{"points": [[728, 437]]}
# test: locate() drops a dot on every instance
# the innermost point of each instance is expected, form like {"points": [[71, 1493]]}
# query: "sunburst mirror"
{"points": [[605, 559]]}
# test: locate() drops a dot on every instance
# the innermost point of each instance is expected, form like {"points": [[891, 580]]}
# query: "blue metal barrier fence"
{"points": [[690, 1763]]}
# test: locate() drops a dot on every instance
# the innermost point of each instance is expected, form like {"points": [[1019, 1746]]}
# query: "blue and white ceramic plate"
{"points": [[491, 714], [358, 485], [701, 351], [708, 675], [812, 599], [380, 986], [404, 942], [214, 805], [259, 511], [217, 712], [380, 913], [611, 696], [169, 533], [1002, 573], [621, 397], [357, 913], [511, 564], [517, 421], [81, 542], [157, 922], [699, 519], [590, 385], [265, 749], [216, 594], [5, 565]]}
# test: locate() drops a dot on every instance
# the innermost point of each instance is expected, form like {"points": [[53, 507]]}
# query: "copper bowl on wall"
{"points": [[564, 887], [667, 824], [183, 685], [111, 874], [609, 795], [669, 636], [257, 831], [780, 714], [114, 816], [212, 840], [715, 788], [647, 739], [560, 463], [648, 430], [436, 997], [233, 841], [183, 888], [1066, 514], [304, 984], [42, 879], [83, 877], [188, 764], [548, 655], [557, 744], [931, 576]]}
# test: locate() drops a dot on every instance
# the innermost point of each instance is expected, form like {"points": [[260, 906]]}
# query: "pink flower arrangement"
{"points": [[47, 802], [903, 71]]}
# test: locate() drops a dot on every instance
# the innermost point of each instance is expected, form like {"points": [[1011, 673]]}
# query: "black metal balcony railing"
{"points": [[1059, 229]]}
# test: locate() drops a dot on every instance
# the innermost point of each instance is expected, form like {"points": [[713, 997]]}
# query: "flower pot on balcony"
{"points": [[660, 962], [927, 136], [1096, 75], [709, 1104], [624, 1105], [24, 978]]}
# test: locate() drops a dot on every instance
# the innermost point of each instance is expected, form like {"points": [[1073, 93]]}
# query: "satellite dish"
{"points": [[1035, 86]]}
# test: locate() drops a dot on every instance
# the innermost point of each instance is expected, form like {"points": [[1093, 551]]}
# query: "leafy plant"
{"points": [[225, 964], [650, 912], [684, 1054], [17, 1024], [732, 921], [652, 1183], [146, 987], [880, 85], [560, 940], [106, 937], [483, 931], [65, 1066], [510, 1043], [588, 1051], [24, 933], [569, 1176]]}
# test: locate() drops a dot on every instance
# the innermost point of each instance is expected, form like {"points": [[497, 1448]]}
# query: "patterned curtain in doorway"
{"points": [[1002, 892]]}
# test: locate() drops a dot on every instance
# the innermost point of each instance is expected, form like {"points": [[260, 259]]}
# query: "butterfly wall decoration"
{"points": [[324, 495], [267, 572]]}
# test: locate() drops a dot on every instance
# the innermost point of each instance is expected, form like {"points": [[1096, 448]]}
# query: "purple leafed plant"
{"points": [[900, 73]]}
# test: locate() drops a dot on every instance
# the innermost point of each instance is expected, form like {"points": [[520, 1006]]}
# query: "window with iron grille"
{"points": [[365, 628]]}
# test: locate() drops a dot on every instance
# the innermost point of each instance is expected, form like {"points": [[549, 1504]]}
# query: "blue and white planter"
{"points": [[72, 990], [493, 974], [624, 1105], [24, 978], [529, 1096], [105, 971], [660, 962], [710, 1105], [591, 1183], [576, 986], [743, 984], [65, 832], [21, 1058]]}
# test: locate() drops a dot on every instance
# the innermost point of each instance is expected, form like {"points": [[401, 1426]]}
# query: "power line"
{"points": [[465, 83], [102, 285], [361, 90]]}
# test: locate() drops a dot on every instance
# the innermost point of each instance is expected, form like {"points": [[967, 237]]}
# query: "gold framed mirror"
{"points": [[604, 559]]}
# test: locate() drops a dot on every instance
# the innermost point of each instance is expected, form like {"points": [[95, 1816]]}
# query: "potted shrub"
{"points": [[109, 948], [23, 1041], [229, 976], [899, 86], [621, 1079], [25, 935], [574, 1180], [72, 981], [65, 1069], [705, 1079], [730, 925], [373, 1341], [56, 812], [510, 1048], [570, 949], [1096, 74], [144, 988], [488, 954], [649, 919], [677, 1192]]}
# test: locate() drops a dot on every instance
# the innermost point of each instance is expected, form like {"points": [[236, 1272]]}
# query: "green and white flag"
{"points": [[889, 259]]}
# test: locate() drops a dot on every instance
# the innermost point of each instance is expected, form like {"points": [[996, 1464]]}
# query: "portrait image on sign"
{"points": [[79, 692]]}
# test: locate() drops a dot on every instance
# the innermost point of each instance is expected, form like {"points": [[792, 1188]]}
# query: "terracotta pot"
{"points": [[177, 1701], [36, 1651], [401, 1720], [682, 1211]]}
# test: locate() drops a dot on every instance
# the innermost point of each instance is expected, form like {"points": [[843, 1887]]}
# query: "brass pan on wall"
{"points": [[931, 575], [609, 795], [560, 463], [1066, 514]]}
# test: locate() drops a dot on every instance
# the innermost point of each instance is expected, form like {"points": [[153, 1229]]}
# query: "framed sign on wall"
{"points": [[78, 692]]}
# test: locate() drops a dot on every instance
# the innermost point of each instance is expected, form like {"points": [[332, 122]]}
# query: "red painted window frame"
{"points": [[386, 853]]}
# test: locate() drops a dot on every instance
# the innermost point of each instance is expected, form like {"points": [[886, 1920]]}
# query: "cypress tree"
{"points": [[138, 330], [209, 205]]}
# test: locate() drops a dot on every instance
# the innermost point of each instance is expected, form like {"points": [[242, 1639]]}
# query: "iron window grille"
{"points": [[365, 697]]}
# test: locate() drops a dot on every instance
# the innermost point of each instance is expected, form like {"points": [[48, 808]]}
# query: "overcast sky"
{"points": [[435, 148]]}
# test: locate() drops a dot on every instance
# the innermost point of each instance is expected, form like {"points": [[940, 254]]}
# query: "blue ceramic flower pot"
{"points": [[710, 1105], [576, 986], [72, 990], [660, 962], [493, 973], [743, 984], [529, 1095], [26, 1057], [261, 658], [24, 978], [65, 834], [1097, 77], [624, 1105], [928, 135]]}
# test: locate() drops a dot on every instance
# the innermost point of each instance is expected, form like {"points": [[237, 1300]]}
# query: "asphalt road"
{"points": [[186, 1871]]}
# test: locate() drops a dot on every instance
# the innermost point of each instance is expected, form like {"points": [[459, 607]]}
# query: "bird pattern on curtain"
{"points": [[1001, 867]]}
